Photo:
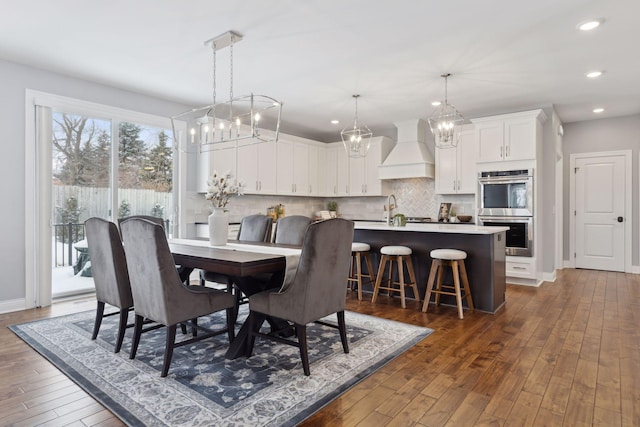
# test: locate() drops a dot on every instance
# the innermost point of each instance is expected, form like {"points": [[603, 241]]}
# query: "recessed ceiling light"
{"points": [[590, 25], [594, 74], [436, 103], [598, 110], [335, 122]]}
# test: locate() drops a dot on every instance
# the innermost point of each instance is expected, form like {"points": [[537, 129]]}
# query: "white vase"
{"points": [[218, 227]]}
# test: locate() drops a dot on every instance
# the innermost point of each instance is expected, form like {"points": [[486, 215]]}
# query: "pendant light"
{"points": [[356, 140], [445, 121]]}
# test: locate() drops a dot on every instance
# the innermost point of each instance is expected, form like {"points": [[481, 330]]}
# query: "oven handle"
{"points": [[504, 180], [514, 219]]}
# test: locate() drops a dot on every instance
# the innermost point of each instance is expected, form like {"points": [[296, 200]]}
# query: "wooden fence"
{"points": [[94, 201]]}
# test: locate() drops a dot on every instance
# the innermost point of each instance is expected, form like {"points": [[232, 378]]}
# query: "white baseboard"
{"points": [[549, 277], [635, 269], [566, 264], [523, 282], [12, 305]]}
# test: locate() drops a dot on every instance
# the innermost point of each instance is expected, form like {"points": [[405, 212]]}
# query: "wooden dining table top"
{"points": [[233, 262]]}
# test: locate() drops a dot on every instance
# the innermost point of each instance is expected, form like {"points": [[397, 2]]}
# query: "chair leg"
{"points": [[465, 282], [122, 327], [168, 350], [359, 275], [183, 328], [137, 331], [342, 327], [376, 288], [301, 331], [412, 277], [401, 280], [194, 329], [98, 322], [251, 339], [430, 284], [456, 284]]}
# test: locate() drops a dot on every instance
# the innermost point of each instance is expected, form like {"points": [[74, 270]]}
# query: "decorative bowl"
{"points": [[464, 218]]}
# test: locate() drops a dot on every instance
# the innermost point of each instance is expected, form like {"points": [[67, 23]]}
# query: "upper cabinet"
{"points": [[215, 157], [297, 173], [456, 167], [509, 136], [363, 171], [337, 172], [256, 165]]}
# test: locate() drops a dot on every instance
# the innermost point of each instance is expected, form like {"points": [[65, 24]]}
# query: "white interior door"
{"points": [[600, 206]]}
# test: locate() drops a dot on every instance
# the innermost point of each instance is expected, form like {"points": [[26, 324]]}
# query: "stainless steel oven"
{"points": [[519, 236], [506, 193]]}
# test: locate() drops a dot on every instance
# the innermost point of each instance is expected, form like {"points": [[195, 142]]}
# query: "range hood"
{"points": [[410, 157]]}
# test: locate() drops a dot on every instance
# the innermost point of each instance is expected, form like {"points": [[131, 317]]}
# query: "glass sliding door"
{"points": [[80, 188], [145, 172]]}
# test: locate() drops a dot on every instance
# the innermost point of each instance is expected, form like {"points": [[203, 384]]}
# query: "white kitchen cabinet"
{"points": [[456, 166], [337, 174], [314, 170], [219, 157], [256, 165], [363, 171], [293, 168], [508, 137]]}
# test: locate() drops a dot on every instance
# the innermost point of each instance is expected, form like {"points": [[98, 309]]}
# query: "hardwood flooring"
{"points": [[567, 353]]}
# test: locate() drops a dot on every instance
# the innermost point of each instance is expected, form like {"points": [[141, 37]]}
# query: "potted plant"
{"points": [[332, 206], [221, 188]]}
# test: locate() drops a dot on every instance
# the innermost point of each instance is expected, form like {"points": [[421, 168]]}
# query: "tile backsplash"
{"points": [[415, 197]]}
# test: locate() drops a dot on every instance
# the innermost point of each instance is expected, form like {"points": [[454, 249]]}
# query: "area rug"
{"points": [[203, 388]]}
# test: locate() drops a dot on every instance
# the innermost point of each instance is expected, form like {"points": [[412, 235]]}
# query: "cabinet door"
{"points": [[223, 158], [446, 170], [285, 162], [248, 168], [300, 167], [466, 166], [520, 139], [356, 176], [372, 184], [312, 161], [331, 174], [490, 141], [267, 167], [342, 183]]}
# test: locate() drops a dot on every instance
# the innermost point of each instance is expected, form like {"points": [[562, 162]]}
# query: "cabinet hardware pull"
{"points": [[518, 268], [501, 150], [508, 150]]}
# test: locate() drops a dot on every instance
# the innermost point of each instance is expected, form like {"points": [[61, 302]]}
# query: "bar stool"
{"points": [[359, 251], [455, 259], [400, 254]]}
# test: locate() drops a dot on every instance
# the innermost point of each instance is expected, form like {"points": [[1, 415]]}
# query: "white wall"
{"points": [[14, 80], [620, 133]]}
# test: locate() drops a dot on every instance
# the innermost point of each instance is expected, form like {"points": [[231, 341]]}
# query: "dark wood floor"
{"points": [[567, 353]]}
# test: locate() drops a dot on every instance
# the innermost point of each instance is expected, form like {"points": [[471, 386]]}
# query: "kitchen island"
{"points": [[485, 248]]}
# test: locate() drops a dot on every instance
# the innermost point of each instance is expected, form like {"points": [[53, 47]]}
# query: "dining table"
{"points": [[253, 267]]}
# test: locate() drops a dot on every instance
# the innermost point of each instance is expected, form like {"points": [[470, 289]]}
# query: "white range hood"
{"points": [[410, 157]]}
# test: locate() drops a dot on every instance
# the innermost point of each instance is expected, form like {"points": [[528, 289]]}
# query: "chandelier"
{"points": [[356, 140], [240, 117], [444, 120]]}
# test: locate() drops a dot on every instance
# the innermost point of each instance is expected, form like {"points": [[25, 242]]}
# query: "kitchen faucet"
{"points": [[390, 207]]}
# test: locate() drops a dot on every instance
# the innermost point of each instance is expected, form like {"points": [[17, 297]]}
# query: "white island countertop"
{"points": [[435, 227]]}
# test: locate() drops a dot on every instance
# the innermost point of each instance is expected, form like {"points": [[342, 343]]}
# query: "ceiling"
{"points": [[504, 55]]}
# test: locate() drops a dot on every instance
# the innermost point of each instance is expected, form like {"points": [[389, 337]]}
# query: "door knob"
{"points": [[620, 219]]}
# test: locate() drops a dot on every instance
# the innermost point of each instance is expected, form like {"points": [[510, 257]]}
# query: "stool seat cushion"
{"points": [[450, 254], [395, 250], [360, 247]]}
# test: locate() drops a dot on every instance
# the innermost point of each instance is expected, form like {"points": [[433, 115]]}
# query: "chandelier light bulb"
{"points": [[238, 122], [221, 125]]}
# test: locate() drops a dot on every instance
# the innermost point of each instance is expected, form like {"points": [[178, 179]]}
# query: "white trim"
{"points": [[549, 277], [13, 305], [523, 282], [635, 269], [566, 263], [628, 157]]}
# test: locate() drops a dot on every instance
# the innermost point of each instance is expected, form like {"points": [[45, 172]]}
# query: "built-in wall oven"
{"points": [[505, 198]]}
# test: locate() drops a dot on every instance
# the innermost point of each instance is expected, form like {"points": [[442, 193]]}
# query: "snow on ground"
{"points": [[63, 282]]}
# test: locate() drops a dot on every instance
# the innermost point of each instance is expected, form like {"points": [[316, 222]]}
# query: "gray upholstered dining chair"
{"points": [[290, 230], [159, 294], [153, 219], [317, 289], [110, 274]]}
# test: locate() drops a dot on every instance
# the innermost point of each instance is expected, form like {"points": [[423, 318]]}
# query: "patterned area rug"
{"points": [[203, 388]]}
